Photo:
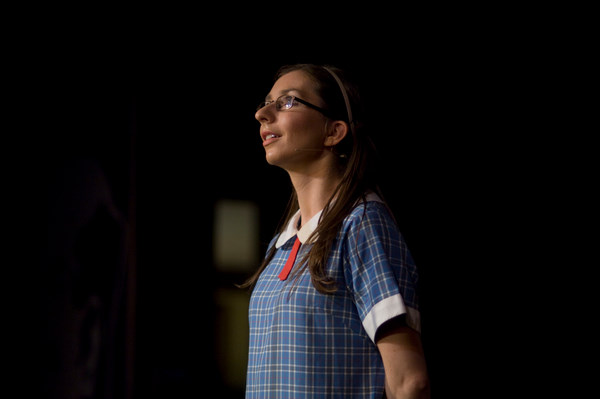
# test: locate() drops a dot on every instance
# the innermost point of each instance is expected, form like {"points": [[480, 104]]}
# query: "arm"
{"points": [[403, 361]]}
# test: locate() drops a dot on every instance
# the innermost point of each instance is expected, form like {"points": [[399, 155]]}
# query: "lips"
{"points": [[269, 137]]}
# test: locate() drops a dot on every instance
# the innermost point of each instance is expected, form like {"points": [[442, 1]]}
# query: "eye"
{"points": [[286, 102]]}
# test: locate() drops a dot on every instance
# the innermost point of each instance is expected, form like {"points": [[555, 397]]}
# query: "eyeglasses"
{"points": [[286, 102]]}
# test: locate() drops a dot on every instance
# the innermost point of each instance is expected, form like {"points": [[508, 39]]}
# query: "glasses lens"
{"points": [[285, 102]]}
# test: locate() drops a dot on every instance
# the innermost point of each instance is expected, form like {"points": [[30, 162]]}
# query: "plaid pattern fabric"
{"points": [[304, 344]]}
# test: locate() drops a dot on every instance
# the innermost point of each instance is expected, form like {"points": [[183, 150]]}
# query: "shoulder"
{"points": [[371, 212], [370, 218]]}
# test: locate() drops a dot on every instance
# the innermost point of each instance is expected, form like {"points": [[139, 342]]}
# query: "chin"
{"points": [[273, 161], [273, 157]]}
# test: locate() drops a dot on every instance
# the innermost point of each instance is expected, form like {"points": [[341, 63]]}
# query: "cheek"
{"points": [[305, 130]]}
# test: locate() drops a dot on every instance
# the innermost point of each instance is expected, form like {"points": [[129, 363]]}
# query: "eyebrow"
{"points": [[283, 93]]}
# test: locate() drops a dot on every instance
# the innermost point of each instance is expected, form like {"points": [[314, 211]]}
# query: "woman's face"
{"points": [[293, 138]]}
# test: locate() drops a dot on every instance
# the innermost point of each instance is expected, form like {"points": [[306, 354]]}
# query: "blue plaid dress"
{"points": [[304, 344]]}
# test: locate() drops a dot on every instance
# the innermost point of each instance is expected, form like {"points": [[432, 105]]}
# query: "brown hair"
{"points": [[356, 155]]}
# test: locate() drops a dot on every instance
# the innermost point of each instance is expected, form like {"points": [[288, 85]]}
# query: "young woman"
{"points": [[334, 309]]}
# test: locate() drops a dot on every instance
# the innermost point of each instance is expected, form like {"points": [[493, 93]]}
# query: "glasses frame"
{"points": [[293, 99]]}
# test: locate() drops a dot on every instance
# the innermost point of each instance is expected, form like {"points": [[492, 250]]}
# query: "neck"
{"points": [[314, 190]]}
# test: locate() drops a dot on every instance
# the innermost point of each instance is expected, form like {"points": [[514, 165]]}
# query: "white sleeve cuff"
{"points": [[388, 309]]}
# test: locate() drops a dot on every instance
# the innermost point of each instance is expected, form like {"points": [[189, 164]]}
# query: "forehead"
{"points": [[295, 81]]}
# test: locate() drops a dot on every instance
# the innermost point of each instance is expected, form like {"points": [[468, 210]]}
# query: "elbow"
{"points": [[419, 386], [414, 386]]}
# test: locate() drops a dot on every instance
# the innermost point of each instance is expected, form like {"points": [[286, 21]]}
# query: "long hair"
{"points": [[356, 162]]}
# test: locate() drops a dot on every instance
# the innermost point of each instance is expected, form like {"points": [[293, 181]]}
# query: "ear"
{"points": [[336, 131]]}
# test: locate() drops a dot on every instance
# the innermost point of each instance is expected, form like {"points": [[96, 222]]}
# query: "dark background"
{"points": [[162, 109]]}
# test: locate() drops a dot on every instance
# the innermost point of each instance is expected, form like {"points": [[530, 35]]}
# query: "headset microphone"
{"points": [[318, 150], [309, 149]]}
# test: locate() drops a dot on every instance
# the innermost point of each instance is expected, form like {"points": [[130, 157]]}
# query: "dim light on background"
{"points": [[235, 250], [236, 232]]}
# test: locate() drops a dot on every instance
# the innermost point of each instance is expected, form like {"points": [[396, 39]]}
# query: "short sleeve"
{"points": [[379, 270]]}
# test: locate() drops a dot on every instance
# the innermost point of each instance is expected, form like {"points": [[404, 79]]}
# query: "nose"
{"points": [[265, 114]]}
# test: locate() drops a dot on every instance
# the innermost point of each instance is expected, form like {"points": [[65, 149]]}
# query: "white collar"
{"points": [[310, 226]]}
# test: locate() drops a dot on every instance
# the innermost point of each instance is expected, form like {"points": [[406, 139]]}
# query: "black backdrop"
{"points": [[166, 115]]}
